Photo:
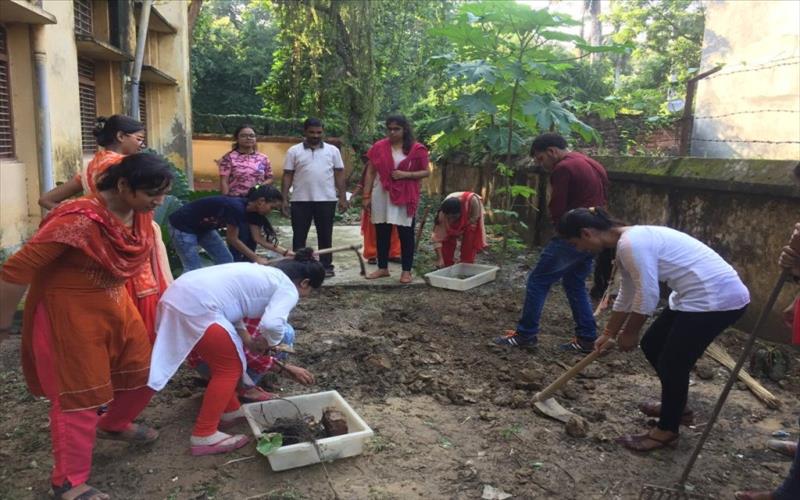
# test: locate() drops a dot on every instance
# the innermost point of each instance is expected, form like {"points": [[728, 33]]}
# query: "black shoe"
{"points": [[578, 345], [372, 261], [329, 273]]}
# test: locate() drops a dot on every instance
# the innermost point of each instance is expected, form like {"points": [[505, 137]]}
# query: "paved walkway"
{"points": [[348, 272]]}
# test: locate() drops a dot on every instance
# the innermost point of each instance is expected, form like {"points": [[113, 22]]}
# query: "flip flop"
{"points": [[406, 279], [750, 495], [788, 448], [636, 442], [58, 493], [225, 445], [259, 396], [136, 434]]}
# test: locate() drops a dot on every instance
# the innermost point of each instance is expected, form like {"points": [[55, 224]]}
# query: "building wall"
{"points": [[169, 106], [759, 44]]}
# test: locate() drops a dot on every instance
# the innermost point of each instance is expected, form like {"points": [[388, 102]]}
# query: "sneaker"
{"points": [[514, 339], [578, 345], [329, 273]]}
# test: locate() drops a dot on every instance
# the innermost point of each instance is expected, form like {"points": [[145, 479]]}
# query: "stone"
{"points": [[577, 427], [378, 361], [528, 379], [334, 422], [705, 371], [593, 372]]}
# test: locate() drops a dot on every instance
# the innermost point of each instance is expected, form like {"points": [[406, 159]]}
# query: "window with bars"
{"points": [[143, 104], [88, 104], [83, 16], [6, 130]]}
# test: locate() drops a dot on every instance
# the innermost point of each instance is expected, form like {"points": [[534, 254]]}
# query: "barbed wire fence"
{"points": [[767, 65]]}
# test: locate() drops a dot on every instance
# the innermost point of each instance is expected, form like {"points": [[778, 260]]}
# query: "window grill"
{"points": [[88, 104], [142, 104], [83, 17], [6, 129]]}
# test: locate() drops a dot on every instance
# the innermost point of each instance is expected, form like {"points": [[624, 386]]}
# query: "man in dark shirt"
{"points": [[576, 181]]}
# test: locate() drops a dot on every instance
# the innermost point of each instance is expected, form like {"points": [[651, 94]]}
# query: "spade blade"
{"points": [[553, 409]]}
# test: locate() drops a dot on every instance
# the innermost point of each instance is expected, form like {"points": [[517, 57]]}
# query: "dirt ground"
{"points": [[451, 413]]}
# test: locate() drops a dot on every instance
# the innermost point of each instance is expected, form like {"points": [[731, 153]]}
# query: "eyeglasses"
{"points": [[247, 136]]}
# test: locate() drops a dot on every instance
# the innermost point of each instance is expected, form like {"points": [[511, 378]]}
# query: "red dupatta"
{"points": [[99, 163], [401, 191], [88, 225], [458, 228]]}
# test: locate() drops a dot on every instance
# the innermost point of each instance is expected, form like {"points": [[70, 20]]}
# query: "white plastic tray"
{"points": [[261, 415], [462, 276]]}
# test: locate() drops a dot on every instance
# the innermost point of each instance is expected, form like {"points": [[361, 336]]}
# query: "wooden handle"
{"points": [[570, 374], [325, 251]]}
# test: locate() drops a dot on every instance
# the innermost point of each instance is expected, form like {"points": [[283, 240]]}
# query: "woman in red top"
{"points": [[84, 345], [459, 217], [391, 191], [120, 136]]}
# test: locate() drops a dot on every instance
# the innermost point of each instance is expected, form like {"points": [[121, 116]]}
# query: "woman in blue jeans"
{"points": [[195, 225]]}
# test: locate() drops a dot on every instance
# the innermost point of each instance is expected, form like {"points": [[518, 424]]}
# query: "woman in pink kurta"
{"points": [[243, 167]]}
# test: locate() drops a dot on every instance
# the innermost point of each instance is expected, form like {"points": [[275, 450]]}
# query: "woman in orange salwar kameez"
{"points": [[84, 344], [119, 136]]}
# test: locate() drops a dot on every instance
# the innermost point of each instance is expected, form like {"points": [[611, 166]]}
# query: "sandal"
{"points": [[135, 434], [653, 409], [788, 448], [224, 445], [380, 273], [406, 277], [89, 494], [637, 442], [753, 495], [255, 395]]}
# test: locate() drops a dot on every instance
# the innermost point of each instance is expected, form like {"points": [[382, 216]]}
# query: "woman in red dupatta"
{"points": [[120, 136], [391, 192], [459, 216], [84, 345]]}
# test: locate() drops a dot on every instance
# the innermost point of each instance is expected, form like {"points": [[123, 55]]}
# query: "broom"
{"points": [[719, 354]]}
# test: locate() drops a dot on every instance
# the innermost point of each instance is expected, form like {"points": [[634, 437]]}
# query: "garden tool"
{"points": [[421, 227], [354, 248], [603, 304], [680, 492], [547, 405]]}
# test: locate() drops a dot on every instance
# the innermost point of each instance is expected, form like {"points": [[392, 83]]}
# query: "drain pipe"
{"points": [[44, 139], [141, 40]]}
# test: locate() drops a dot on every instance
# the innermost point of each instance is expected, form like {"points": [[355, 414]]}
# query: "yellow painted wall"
{"points": [[62, 87], [207, 148], [759, 44], [19, 177]]}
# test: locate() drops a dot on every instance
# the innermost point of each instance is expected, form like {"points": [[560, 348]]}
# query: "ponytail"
{"points": [[106, 129], [303, 267], [575, 220], [270, 194]]}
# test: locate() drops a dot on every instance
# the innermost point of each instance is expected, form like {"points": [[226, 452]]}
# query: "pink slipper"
{"points": [[225, 445], [254, 395]]}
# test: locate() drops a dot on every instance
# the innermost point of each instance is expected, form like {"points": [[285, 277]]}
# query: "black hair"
{"points": [[312, 122], [270, 193], [141, 170], [241, 127], [575, 220], [106, 129], [408, 134], [549, 140], [303, 266], [450, 206]]}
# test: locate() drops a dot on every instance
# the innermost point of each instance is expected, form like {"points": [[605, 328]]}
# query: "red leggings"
{"points": [[468, 247], [219, 352], [73, 432]]}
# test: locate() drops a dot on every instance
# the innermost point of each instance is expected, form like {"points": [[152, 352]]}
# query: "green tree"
{"points": [[232, 46]]}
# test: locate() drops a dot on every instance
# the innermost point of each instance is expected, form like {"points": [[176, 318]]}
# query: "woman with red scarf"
{"points": [[459, 216], [81, 358], [392, 196]]}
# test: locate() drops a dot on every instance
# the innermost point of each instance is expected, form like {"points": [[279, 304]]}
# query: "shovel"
{"points": [[547, 405]]}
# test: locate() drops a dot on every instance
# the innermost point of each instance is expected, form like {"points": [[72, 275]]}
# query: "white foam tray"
{"points": [[261, 415], [477, 274]]}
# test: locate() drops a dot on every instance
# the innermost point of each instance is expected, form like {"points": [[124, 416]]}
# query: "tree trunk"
{"points": [[596, 33], [194, 11]]}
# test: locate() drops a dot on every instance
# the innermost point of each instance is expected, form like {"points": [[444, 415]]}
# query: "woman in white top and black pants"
{"points": [[707, 297]]}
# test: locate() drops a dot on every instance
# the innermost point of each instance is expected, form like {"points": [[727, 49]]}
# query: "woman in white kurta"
{"points": [[203, 311], [707, 297]]}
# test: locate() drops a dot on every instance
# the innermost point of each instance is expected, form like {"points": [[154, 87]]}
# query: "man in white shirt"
{"points": [[316, 171]]}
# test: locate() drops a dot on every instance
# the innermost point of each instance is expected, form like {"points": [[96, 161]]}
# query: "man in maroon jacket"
{"points": [[577, 181]]}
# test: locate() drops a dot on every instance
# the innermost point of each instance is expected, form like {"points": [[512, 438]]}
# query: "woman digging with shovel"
{"points": [[707, 297]]}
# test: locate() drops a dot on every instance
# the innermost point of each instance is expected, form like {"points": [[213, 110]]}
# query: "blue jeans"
{"points": [[186, 246], [790, 488], [559, 261]]}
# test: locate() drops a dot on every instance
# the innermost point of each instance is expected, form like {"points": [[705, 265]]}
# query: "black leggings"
{"points": [[673, 344], [383, 235], [603, 265]]}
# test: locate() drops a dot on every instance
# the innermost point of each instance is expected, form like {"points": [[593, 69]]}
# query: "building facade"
{"points": [[750, 108], [62, 64]]}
